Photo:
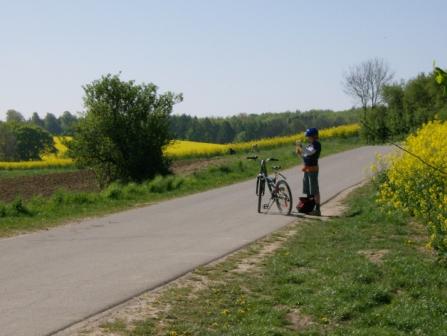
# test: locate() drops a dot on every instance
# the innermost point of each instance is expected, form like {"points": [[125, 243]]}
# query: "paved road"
{"points": [[51, 279]]}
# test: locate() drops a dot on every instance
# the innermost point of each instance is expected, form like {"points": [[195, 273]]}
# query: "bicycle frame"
{"points": [[263, 178], [277, 186]]}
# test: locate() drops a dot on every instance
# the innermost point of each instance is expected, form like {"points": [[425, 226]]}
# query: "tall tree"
{"points": [[8, 142], [67, 122], [14, 116], [52, 124], [36, 120], [365, 81]]}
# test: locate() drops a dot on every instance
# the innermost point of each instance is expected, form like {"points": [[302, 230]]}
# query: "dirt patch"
{"points": [[45, 185], [336, 206], [186, 167], [251, 262], [375, 256], [298, 321], [26, 187]]}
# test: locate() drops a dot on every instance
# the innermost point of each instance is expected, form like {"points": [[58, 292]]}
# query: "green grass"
{"points": [[38, 213], [322, 273]]}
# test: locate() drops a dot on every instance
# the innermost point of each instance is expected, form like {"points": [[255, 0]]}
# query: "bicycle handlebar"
{"points": [[256, 157]]}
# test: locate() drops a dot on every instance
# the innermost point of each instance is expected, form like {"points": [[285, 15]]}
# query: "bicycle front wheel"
{"points": [[283, 197]]}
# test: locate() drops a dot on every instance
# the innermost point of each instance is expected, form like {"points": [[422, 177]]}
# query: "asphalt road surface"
{"points": [[52, 279]]}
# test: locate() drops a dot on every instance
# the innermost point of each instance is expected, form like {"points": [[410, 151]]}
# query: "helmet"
{"points": [[311, 132]]}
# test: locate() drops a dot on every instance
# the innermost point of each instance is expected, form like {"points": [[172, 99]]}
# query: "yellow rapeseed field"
{"points": [[182, 149], [413, 187], [188, 149]]}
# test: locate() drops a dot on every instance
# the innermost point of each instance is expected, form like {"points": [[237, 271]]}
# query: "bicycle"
{"points": [[278, 187]]}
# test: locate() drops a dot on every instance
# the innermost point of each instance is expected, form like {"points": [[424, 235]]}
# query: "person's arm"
{"points": [[299, 149], [309, 150]]}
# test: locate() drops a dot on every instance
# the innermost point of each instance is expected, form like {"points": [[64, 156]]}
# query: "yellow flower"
{"points": [[414, 187]]}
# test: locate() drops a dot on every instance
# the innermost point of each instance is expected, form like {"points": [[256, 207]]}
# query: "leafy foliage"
{"points": [[441, 78], [8, 142], [124, 130], [32, 142], [24, 142], [407, 106]]}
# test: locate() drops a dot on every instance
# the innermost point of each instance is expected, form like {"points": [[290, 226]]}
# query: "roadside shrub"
{"points": [[2, 210], [132, 189], [114, 191], [17, 208], [79, 198], [412, 187], [161, 184]]}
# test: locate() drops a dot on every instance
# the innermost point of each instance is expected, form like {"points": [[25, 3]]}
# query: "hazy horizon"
{"points": [[226, 57]]}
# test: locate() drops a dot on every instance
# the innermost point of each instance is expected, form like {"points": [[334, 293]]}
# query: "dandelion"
{"points": [[225, 312]]}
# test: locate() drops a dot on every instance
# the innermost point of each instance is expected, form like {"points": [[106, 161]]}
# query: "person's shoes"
{"points": [[315, 212]]}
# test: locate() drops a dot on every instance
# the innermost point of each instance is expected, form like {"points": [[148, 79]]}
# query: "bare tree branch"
{"points": [[364, 82]]}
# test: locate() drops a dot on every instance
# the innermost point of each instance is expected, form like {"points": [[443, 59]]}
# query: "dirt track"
{"points": [[26, 187]]}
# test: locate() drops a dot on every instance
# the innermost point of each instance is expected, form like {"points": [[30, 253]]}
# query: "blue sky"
{"points": [[226, 57]]}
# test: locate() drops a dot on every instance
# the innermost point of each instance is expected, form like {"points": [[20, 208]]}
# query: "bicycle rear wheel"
{"points": [[283, 197], [260, 188]]}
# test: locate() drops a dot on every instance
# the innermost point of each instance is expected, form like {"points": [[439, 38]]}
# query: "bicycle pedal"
{"points": [[265, 206]]}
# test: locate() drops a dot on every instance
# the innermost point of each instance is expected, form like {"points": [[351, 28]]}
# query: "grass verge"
{"points": [[37, 213], [368, 273]]}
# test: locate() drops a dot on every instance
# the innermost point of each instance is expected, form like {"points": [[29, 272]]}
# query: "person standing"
{"points": [[310, 153]]}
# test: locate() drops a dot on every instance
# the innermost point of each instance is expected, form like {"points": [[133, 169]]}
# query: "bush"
{"points": [[2, 210], [161, 184], [411, 186], [124, 130], [113, 191], [17, 208], [133, 189]]}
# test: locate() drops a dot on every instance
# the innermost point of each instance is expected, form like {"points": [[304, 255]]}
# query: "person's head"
{"points": [[311, 134]]}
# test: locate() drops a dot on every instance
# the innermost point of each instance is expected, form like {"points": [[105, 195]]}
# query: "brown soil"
{"points": [[186, 167], [26, 187]]}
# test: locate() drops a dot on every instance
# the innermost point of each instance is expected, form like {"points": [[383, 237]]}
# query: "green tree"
{"points": [[441, 78], [67, 122], [124, 130], [13, 116], [36, 120], [8, 143], [31, 142], [52, 124], [394, 100]]}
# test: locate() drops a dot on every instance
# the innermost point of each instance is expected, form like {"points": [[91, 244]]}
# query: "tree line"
{"points": [[390, 109], [62, 125], [245, 127]]}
